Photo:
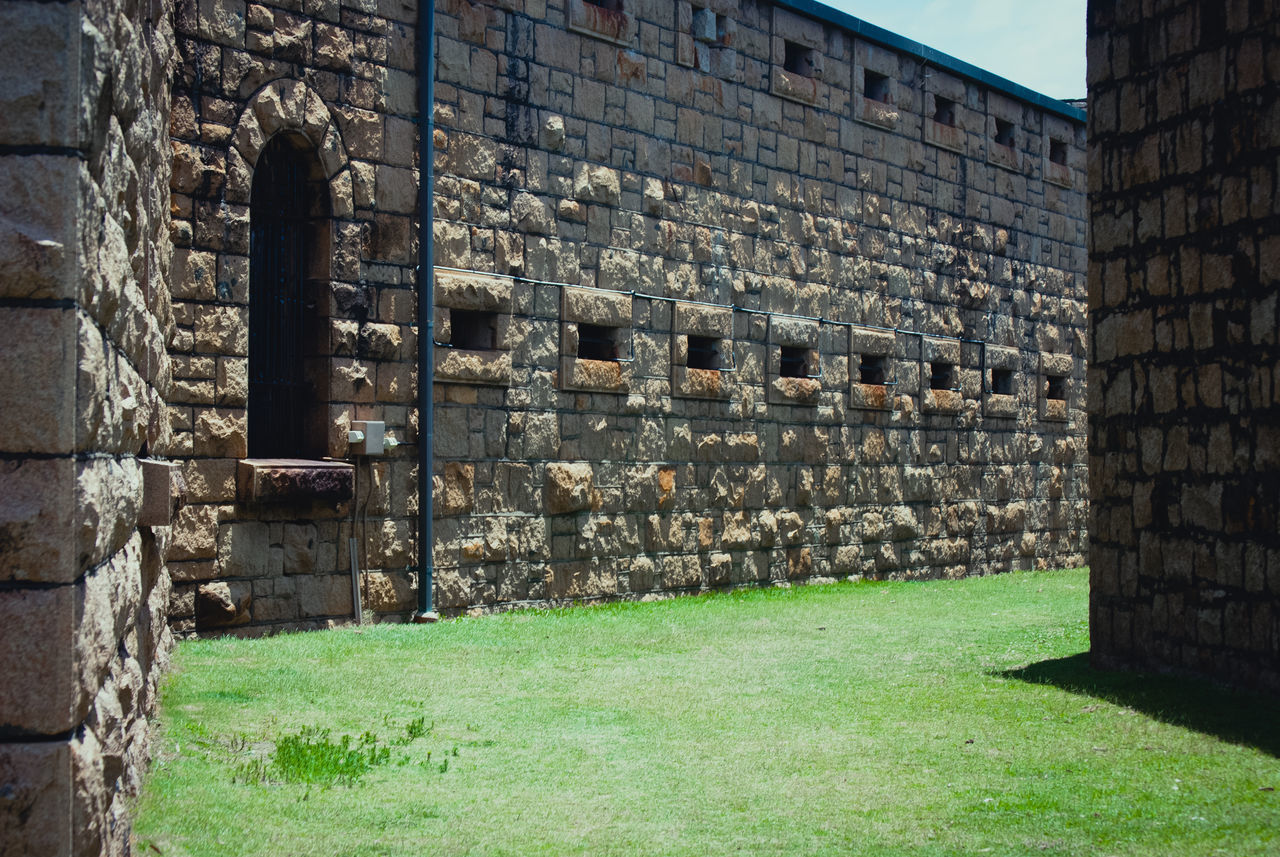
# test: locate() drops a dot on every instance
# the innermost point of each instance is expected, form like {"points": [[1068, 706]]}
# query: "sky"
{"points": [[1037, 43]]}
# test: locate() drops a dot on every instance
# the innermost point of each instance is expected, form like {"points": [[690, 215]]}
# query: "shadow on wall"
{"points": [[1235, 716]]}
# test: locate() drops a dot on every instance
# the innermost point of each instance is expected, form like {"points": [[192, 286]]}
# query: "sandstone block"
{"points": [[37, 627], [37, 505], [568, 487], [37, 372], [587, 579], [300, 543], [221, 603], [37, 229], [325, 595], [243, 548], [35, 818], [220, 432], [195, 533], [596, 183]]}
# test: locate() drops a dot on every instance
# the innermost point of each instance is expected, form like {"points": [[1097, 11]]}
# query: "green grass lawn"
{"points": [[881, 719]]}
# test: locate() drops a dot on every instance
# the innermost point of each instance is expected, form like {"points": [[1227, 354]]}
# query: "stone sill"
{"points": [[998, 405], [699, 383], [1053, 410], [294, 480], [473, 367], [950, 137], [878, 113], [795, 87], [943, 401], [597, 22], [871, 397], [594, 376], [795, 391], [1059, 174], [1003, 156]]}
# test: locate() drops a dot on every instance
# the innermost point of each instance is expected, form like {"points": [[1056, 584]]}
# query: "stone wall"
{"points": [[669, 236], [84, 310], [1184, 453], [338, 79], [735, 179]]}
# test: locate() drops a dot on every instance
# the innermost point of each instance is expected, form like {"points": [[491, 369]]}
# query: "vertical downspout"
{"points": [[426, 307]]}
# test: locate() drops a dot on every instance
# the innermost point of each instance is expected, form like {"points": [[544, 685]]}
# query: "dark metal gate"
{"points": [[277, 280]]}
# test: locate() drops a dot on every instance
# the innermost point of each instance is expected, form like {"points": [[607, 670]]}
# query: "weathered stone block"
{"points": [[37, 371], [38, 628], [36, 817], [221, 604], [36, 520], [282, 480], [568, 487], [37, 230]]}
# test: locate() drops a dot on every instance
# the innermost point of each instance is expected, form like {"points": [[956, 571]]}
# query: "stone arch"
{"points": [[288, 110], [287, 105]]}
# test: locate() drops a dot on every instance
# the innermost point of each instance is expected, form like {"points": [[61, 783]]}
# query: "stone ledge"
{"points": [[474, 367], [293, 480], [589, 19]]}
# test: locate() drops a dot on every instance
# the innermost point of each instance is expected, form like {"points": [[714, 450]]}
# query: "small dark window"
{"points": [[1057, 388], [876, 86], [873, 369], [596, 342], [608, 5], [795, 362], [1002, 382], [472, 329], [944, 111], [942, 376], [798, 59], [1004, 132], [703, 353], [1058, 151]]}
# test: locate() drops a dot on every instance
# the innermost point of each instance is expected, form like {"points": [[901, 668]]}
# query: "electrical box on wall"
{"points": [[367, 437]]}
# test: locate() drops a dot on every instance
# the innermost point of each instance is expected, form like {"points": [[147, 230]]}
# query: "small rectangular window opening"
{"points": [[944, 111], [1058, 151], [942, 376], [597, 342], [473, 330], [1004, 132], [703, 353], [1057, 388], [608, 5], [876, 86], [798, 59], [795, 362], [1002, 382], [873, 369]]}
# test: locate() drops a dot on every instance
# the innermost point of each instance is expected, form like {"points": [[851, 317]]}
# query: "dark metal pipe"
{"points": [[426, 307]]}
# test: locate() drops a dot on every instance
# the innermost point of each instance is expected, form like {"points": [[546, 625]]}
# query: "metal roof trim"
{"points": [[879, 35]]}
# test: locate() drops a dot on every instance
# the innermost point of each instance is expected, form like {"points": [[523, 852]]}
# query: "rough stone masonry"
{"points": [[1184, 272], [84, 375], [613, 188], [727, 295]]}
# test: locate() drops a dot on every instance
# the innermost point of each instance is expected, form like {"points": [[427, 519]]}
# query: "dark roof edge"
{"points": [[888, 39]]}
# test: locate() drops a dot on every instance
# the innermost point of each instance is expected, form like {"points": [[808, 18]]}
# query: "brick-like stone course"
{"points": [[1184, 254], [338, 78], [813, 216]]}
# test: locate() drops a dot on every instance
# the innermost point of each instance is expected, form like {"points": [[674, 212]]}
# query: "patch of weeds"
{"points": [[313, 757]]}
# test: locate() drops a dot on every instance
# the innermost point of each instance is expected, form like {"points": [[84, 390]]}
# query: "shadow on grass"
{"points": [[1236, 716]]}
